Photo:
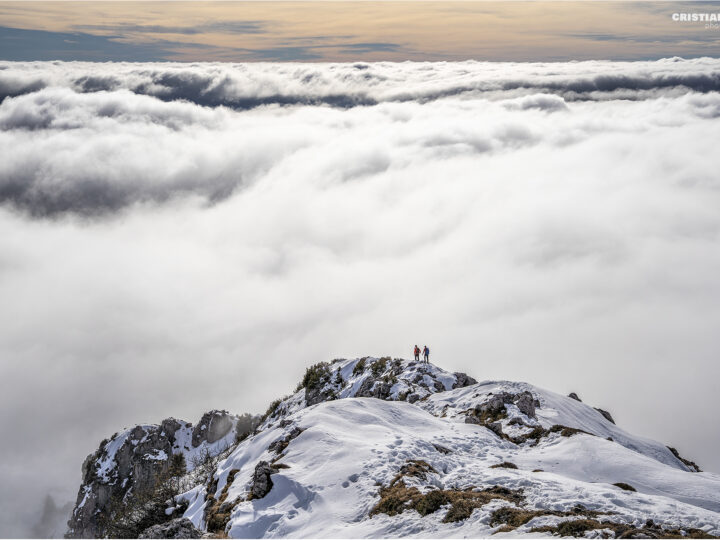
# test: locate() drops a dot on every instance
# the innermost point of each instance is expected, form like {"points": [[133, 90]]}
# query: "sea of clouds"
{"points": [[181, 237]]}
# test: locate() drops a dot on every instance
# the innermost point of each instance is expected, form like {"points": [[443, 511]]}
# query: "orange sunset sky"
{"points": [[349, 31]]}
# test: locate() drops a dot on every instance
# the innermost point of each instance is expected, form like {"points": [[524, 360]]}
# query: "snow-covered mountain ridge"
{"points": [[386, 448]]}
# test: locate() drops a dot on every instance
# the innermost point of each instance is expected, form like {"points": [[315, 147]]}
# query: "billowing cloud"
{"points": [[184, 237], [244, 86]]}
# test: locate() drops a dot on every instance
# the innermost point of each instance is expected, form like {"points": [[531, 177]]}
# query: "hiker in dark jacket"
{"points": [[426, 354], [417, 353]]}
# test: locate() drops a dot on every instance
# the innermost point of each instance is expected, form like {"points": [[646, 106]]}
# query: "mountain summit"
{"points": [[376, 447]]}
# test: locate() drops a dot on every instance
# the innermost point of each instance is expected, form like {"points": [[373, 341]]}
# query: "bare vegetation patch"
{"points": [[504, 465], [579, 527], [398, 497]]}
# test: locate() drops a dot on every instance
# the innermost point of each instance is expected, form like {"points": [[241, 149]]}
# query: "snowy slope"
{"points": [[348, 446], [338, 455], [553, 409]]}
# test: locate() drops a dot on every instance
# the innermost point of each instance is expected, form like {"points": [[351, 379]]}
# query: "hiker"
{"points": [[426, 354], [417, 353]]}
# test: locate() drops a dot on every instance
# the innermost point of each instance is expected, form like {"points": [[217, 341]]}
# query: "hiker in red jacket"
{"points": [[417, 353]]}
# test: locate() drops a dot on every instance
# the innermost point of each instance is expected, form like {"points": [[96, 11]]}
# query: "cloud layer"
{"points": [[245, 86], [555, 223]]}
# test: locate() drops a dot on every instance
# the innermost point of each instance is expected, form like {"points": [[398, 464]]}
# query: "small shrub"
{"points": [[272, 409], [504, 465], [359, 367], [416, 467], [379, 366], [460, 510], [515, 517], [577, 527], [431, 502], [396, 499], [316, 375], [566, 431]]}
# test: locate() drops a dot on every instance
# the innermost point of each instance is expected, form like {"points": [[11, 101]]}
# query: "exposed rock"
{"points": [[412, 398], [261, 481], [472, 419], [279, 445], [176, 528], [213, 426], [372, 387], [496, 428], [495, 405], [381, 390], [526, 403], [442, 449], [133, 460], [365, 389], [462, 380], [316, 395], [574, 396], [169, 427], [439, 387], [606, 414], [689, 464]]}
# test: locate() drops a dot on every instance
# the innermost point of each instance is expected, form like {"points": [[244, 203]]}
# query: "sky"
{"points": [[177, 237], [352, 31]]}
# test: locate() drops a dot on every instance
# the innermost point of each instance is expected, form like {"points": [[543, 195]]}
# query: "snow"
{"points": [[349, 447], [157, 455], [554, 409]]}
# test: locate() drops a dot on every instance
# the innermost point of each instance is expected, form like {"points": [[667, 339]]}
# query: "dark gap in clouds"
{"points": [[220, 27], [21, 45], [370, 47], [285, 53], [94, 197], [693, 37]]}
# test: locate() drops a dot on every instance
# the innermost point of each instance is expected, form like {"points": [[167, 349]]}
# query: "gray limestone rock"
{"points": [[261, 481], [176, 528], [213, 426], [462, 380], [526, 403], [606, 415]]}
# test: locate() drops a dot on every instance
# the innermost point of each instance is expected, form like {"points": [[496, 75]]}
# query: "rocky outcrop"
{"points": [[689, 464], [176, 528], [371, 387], [134, 460], [462, 380], [213, 426], [261, 481], [574, 396], [526, 403], [493, 408], [128, 460], [606, 415]]}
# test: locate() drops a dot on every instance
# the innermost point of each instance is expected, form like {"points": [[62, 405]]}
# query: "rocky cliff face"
{"points": [[386, 447], [133, 460]]}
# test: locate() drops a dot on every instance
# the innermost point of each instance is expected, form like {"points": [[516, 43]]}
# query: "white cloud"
{"points": [[164, 257]]}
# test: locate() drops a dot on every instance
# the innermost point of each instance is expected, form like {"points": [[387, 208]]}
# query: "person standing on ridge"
{"points": [[426, 354], [417, 353]]}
